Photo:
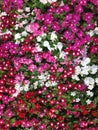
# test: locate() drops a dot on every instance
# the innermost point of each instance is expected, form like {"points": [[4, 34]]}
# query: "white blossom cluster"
{"points": [[92, 32], [86, 72], [19, 88], [43, 80], [47, 1], [89, 93], [84, 69], [49, 44]]}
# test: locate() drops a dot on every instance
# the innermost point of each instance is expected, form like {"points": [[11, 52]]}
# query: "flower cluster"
{"points": [[49, 65]]}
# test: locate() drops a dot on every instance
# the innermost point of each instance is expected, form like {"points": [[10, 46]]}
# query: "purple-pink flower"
{"points": [[8, 5]]}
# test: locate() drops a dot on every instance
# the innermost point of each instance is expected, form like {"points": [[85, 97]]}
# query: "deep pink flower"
{"points": [[66, 8], [38, 58], [19, 77], [83, 124], [56, 26], [78, 8], [12, 4], [82, 2], [94, 49], [88, 16], [95, 2], [32, 67], [67, 34]]}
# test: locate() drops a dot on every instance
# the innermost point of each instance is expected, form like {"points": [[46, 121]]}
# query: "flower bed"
{"points": [[49, 65]]}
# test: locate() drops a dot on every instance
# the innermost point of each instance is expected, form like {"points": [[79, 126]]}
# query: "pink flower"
{"points": [[38, 14], [32, 67], [43, 67], [35, 29], [38, 58], [9, 113], [76, 106], [19, 77], [94, 49], [83, 124], [88, 16], [11, 4]]}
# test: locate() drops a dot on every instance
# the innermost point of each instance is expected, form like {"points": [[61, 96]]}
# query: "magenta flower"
{"points": [[78, 8], [88, 16], [19, 77], [67, 35], [32, 67], [56, 26], [11, 4]]}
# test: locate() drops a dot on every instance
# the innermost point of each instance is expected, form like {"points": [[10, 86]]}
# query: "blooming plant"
{"points": [[49, 65]]}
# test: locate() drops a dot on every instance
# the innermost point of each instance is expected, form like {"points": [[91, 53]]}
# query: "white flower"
{"points": [[43, 35], [88, 101], [75, 77], [77, 70], [32, 12], [35, 85], [17, 42], [91, 33], [24, 33], [43, 1], [16, 27], [90, 87], [77, 99], [96, 81], [60, 46], [89, 93], [27, 9], [41, 76], [26, 88], [20, 10], [94, 69], [89, 81], [17, 86], [38, 38], [62, 3], [54, 83], [53, 36], [47, 1], [85, 61], [96, 30], [17, 36], [46, 44], [22, 39], [85, 70], [54, 0], [3, 14], [24, 22], [62, 54], [21, 88], [15, 94], [38, 47], [73, 94], [48, 84], [41, 83]]}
